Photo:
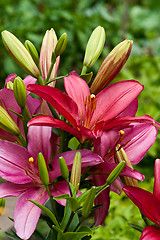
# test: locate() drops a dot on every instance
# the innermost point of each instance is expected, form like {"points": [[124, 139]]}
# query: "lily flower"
{"points": [[86, 113], [136, 141], [149, 204], [19, 167]]}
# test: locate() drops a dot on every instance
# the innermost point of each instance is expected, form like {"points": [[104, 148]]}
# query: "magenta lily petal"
{"points": [[59, 100], [156, 189], [44, 120], [130, 110], [8, 189], [10, 78], [59, 189], [26, 214], [88, 158], [29, 80], [13, 162], [109, 105], [145, 201], [40, 135], [141, 137], [78, 90], [150, 233]]}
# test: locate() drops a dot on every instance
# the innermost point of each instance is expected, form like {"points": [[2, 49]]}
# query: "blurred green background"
{"points": [[137, 20]]}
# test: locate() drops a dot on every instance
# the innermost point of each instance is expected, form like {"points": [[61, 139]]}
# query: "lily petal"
{"points": [[59, 100], [115, 99], [150, 233], [13, 162], [8, 189], [145, 201], [156, 189], [78, 90], [41, 135], [26, 214]]}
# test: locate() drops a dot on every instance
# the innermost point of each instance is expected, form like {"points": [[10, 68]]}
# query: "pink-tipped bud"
{"points": [[111, 66], [47, 48]]}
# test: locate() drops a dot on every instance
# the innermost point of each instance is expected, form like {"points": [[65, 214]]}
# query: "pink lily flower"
{"points": [[139, 137], [149, 204], [87, 113], [19, 167]]}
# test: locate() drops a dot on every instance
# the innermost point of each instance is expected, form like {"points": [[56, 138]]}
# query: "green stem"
{"points": [[50, 69], [21, 139], [26, 117], [69, 221], [40, 80]]}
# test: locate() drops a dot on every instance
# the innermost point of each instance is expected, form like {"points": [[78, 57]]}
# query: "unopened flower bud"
{"points": [[19, 53], [115, 173], [20, 92], [7, 123], [43, 169], [119, 156], [47, 48], [76, 170], [88, 204], [61, 45], [64, 168], [33, 51], [111, 66], [94, 47]]}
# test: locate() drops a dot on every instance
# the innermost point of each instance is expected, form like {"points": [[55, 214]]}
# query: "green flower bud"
{"points": [[111, 66], [76, 170], [88, 204], [7, 123], [61, 45], [115, 173], [33, 51], [20, 92], [64, 168], [43, 169], [94, 47], [19, 53]]}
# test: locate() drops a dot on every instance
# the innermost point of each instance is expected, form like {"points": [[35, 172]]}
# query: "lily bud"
{"points": [[88, 204], [111, 66], [43, 171], [7, 123], [20, 92], [94, 47], [76, 170], [47, 48], [64, 168], [61, 45], [115, 173], [33, 51], [19, 53], [120, 155]]}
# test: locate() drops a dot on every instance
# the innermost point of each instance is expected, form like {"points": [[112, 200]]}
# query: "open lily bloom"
{"points": [[86, 113], [149, 204], [138, 138], [19, 167]]}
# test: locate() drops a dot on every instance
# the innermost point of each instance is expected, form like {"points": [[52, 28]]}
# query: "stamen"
{"points": [[31, 159]]}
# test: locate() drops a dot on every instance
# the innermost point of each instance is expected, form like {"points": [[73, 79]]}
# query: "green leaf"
{"points": [[73, 143], [47, 211], [63, 196]]}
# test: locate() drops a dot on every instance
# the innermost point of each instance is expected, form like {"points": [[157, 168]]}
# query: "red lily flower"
{"points": [[149, 204], [87, 114]]}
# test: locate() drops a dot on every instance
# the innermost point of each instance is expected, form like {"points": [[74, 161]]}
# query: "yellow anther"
{"points": [[31, 159], [92, 95], [121, 132], [2, 211]]}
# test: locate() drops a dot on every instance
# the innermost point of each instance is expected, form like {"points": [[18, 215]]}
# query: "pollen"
{"points": [[121, 132], [31, 159], [92, 95], [2, 211]]}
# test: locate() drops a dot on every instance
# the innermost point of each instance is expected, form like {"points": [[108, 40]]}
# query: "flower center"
{"points": [[33, 171], [90, 104]]}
